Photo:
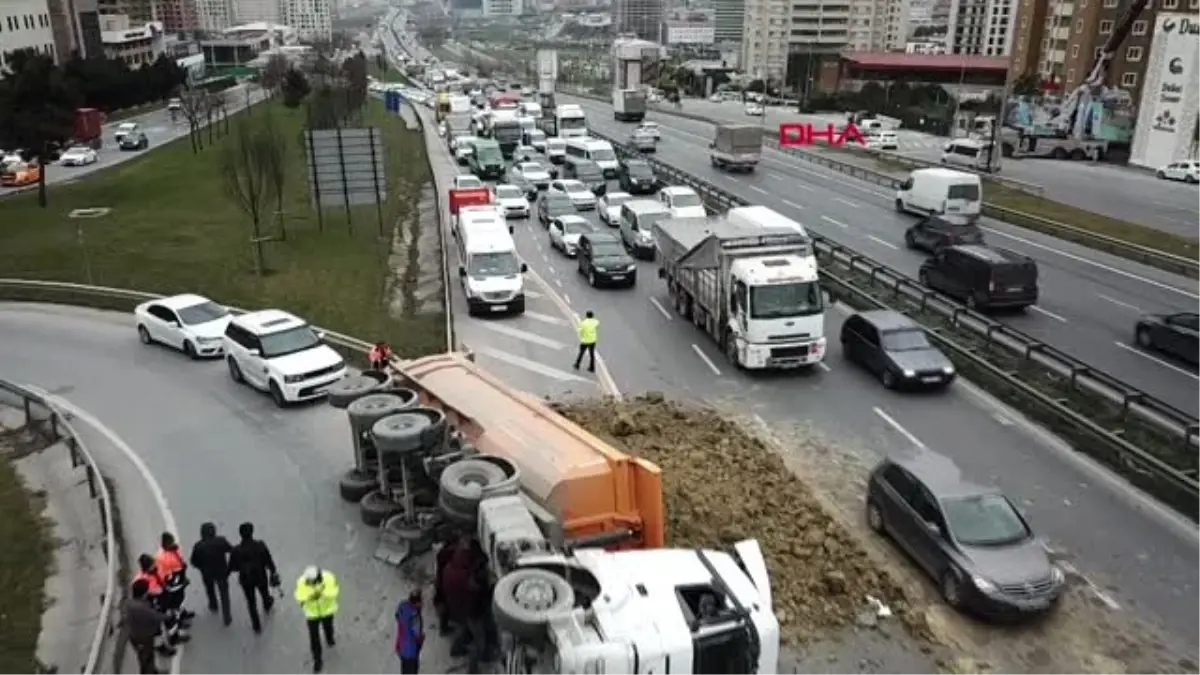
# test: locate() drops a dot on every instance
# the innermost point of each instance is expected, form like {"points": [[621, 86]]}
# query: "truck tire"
{"points": [[374, 407], [463, 482], [457, 517], [355, 484], [349, 389], [435, 434], [401, 433], [375, 507], [526, 600]]}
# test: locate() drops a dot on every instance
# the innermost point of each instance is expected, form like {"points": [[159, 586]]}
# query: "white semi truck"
{"points": [[749, 279], [634, 68]]}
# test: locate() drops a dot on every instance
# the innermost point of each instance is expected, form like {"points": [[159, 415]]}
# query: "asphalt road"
{"points": [[1089, 300], [1120, 192]]}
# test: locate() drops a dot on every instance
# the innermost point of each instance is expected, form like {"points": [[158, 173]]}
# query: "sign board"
{"points": [[1167, 113], [392, 100], [345, 167]]}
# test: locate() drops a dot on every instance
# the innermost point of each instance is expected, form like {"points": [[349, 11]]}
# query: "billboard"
{"points": [[1167, 113]]}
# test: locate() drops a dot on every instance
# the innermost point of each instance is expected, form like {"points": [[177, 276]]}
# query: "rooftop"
{"points": [[925, 61]]}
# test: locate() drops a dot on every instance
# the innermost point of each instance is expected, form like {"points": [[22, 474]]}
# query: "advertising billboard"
{"points": [[1167, 113]]}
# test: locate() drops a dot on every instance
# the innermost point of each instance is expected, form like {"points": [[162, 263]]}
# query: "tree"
{"points": [[193, 104], [244, 168], [274, 72], [1028, 84], [295, 88], [37, 110], [354, 71], [274, 147], [756, 86]]}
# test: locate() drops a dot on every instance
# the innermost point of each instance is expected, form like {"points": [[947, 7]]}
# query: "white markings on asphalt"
{"points": [[1161, 362], [1048, 313], [707, 361], [533, 294], [847, 202], [1119, 303], [545, 318], [824, 367], [881, 242], [835, 222], [792, 204], [1071, 571], [557, 281], [759, 190], [774, 177], [660, 308], [532, 366], [900, 428], [519, 334], [1002, 420], [566, 298], [802, 186]]}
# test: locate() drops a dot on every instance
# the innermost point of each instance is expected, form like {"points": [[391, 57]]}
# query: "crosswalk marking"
{"points": [[532, 366], [544, 318], [536, 339]]}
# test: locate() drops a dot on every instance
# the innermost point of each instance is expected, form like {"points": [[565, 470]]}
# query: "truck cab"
{"points": [[486, 159]]}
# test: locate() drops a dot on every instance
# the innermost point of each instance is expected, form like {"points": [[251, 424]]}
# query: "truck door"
{"points": [[739, 304]]}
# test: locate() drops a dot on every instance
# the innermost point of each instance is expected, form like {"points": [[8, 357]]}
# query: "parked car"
{"points": [[936, 232], [1173, 334], [193, 324], [280, 354], [565, 231], [895, 349], [1187, 171]]}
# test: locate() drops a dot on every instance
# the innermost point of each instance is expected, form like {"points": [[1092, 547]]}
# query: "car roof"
{"points": [[182, 300], [601, 235], [678, 190], [887, 319], [644, 205], [940, 474], [572, 218], [991, 254], [510, 186], [267, 321], [617, 193]]}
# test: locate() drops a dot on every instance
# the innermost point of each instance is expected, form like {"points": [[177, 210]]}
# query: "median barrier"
{"points": [[1150, 442]]}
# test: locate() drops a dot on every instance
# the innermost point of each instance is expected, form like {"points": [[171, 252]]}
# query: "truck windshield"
{"points": [[501, 264], [507, 132], [572, 123], [779, 301]]}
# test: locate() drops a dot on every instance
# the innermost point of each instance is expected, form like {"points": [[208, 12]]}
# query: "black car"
{"points": [[895, 349], [637, 177], [553, 205], [983, 277], [969, 538], [515, 177], [936, 232], [1173, 334], [136, 141], [589, 173], [603, 260]]}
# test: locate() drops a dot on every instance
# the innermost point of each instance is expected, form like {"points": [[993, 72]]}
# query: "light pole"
{"points": [[80, 215]]}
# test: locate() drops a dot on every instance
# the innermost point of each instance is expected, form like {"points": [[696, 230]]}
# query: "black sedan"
{"points": [[895, 349], [136, 141], [553, 205], [637, 177], [515, 177], [933, 233], [1173, 334]]}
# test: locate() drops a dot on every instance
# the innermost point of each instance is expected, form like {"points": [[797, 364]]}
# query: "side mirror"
{"points": [[524, 268], [462, 271], [321, 335], [253, 352]]}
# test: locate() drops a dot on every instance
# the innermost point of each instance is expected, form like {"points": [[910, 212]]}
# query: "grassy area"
{"points": [[173, 228], [25, 561]]}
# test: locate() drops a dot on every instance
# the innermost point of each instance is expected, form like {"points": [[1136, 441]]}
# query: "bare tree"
{"points": [[274, 71], [192, 104], [274, 147], [212, 109], [245, 175]]}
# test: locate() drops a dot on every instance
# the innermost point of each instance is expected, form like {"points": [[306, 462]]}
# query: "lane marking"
{"points": [[835, 222], [774, 177], [566, 298], [532, 366], [660, 308], [545, 318], [759, 190], [521, 334], [607, 384], [1048, 313], [1161, 362], [802, 186], [1120, 303], [847, 202], [900, 428], [557, 281], [822, 366], [792, 204], [1071, 570], [881, 242], [707, 361]]}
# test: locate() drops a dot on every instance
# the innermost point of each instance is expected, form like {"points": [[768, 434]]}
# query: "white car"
{"points": [[610, 207], [78, 156], [537, 139], [755, 109], [581, 196], [282, 355], [883, 140], [126, 129], [1188, 171], [650, 128], [565, 231], [535, 173], [683, 202], [512, 201], [466, 180], [193, 324]]}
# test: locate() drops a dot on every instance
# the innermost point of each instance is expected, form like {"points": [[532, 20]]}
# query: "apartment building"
{"points": [[137, 44], [311, 19], [765, 39], [981, 27], [642, 18], [76, 27], [214, 16], [503, 7], [729, 18], [178, 16], [138, 11], [684, 32], [25, 24], [255, 11]]}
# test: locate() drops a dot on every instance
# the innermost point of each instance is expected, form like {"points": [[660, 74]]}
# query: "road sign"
{"points": [[345, 167]]}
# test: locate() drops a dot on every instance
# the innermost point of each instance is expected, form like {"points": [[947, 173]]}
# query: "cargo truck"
{"points": [[748, 279], [629, 105], [736, 147], [635, 66], [88, 128]]}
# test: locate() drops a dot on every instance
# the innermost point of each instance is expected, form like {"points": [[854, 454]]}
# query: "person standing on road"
{"points": [[172, 571], [210, 555], [317, 593], [256, 571], [410, 632], [171, 628], [143, 623], [588, 327]]}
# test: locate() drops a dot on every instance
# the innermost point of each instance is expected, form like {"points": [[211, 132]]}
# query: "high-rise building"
{"points": [[256, 11], [765, 39], [311, 19], [76, 27], [729, 17], [25, 24], [178, 16], [642, 18], [213, 16], [981, 27]]}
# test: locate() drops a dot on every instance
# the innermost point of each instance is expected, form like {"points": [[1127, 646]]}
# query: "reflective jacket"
{"points": [[587, 331], [152, 580], [318, 600], [172, 569]]}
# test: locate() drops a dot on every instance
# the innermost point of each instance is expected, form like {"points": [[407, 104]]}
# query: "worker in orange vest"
{"points": [[379, 356], [172, 571], [172, 632]]}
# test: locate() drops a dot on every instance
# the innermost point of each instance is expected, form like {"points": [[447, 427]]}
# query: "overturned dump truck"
{"points": [[573, 528]]}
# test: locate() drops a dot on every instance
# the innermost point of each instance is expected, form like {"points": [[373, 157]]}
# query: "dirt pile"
{"points": [[721, 485]]}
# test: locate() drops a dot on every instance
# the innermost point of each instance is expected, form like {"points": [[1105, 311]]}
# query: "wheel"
{"points": [[144, 335], [525, 600], [234, 371], [369, 409], [375, 507], [355, 484], [1059, 153], [909, 241], [971, 302], [464, 482], [889, 379], [350, 388], [592, 278], [923, 277], [875, 517], [1006, 150], [1143, 338], [899, 206], [1078, 155], [1190, 179], [400, 433], [731, 351], [951, 589], [189, 350], [277, 395], [1161, 175]]}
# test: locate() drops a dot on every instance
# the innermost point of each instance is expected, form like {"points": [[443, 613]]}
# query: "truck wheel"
{"points": [[463, 483], [349, 389], [525, 600], [355, 484], [731, 352], [401, 433], [375, 507]]}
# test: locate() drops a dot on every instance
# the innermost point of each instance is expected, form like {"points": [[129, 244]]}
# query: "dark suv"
{"points": [[637, 177], [589, 173], [983, 277], [936, 232], [603, 260]]}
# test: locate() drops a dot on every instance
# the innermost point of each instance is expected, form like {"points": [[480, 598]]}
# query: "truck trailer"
{"points": [[736, 147], [634, 69]]}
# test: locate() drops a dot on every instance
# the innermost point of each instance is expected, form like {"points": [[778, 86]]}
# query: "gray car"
{"points": [[895, 349], [968, 538]]}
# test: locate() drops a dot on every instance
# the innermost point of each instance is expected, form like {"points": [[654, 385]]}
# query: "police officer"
{"points": [[143, 623], [252, 561], [317, 592], [172, 571], [210, 555], [588, 327]]}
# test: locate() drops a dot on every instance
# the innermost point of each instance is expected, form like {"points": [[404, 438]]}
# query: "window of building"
{"points": [[1078, 26], [1139, 27], [1071, 75], [1170, 4], [1193, 4], [1106, 27], [1129, 79], [1133, 54], [1074, 51]]}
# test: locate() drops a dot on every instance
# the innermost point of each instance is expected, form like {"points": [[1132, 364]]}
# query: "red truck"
{"points": [[88, 128]]}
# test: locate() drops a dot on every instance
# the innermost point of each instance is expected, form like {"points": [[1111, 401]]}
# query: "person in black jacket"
{"points": [[210, 555], [143, 623], [252, 561]]}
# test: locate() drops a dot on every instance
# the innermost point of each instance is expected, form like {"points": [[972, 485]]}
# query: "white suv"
{"points": [[278, 353]]}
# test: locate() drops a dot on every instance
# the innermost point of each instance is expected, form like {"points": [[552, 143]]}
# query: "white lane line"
{"points": [[1157, 360], [557, 281], [660, 308], [707, 361], [822, 366], [759, 190], [847, 202], [802, 186], [774, 177], [1050, 314], [519, 334], [545, 318], [533, 294], [792, 204], [532, 366], [1070, 570], [881, 242], [835, 222], [566, 298], [900, 428], [1120, 303]]}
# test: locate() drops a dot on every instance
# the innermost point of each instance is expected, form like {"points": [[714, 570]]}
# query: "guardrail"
{"points": [[44, 419], [1149, 441], [437, 195]]}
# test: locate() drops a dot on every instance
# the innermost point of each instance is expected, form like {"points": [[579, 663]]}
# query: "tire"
{"points": [[899, 206], [875, 518], [374, 407], [277, 395], [592, 278], [433, 437], [731, 352], [923, 277], [355, 484], [350, 388], [144, 335], [464, 482], [1189, 179], [1161, 175], [374, 508], [189, 351], [1143, 339], [909, 241], [464, 519], [951, 589], [401, 433], [1059, 153], [235, 372], [888, 379], [525, 600]]}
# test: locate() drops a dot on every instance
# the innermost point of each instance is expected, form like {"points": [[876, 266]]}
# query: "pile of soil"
{"points": [[721, 485]]}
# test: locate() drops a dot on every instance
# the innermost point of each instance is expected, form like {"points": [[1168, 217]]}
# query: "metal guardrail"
{"points": [[43, 418], [437, 195], [1136, 411]]}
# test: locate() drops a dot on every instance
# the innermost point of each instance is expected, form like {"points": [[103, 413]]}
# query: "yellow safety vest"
{"points": [[318, 600], [587, 331]]}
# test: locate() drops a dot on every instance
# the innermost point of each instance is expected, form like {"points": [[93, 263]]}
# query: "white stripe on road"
{"points": [[847, 202], [898, 427], [545, 318], [707, 361], [881, 242], [1120, 303], [792, 204], [532, 366], [660, 308], [1052, 315], [759, 190], [835, 222], [1157, 360], [520, 334], [533, 294]]}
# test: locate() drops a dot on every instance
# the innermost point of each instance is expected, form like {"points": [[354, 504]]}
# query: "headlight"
{"points": [[293, 379], [909, 373], [949, 370], [630, 267], [982, 584], [1057, 575]]}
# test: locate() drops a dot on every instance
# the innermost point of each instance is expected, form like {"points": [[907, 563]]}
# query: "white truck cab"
{"points": [[490, 270], [940, 191]]}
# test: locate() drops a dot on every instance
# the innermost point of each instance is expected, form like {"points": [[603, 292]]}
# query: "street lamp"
{"points": [[80, 215]]}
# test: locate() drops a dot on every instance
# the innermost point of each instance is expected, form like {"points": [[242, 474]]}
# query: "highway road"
{"points": [[1089, 300], [1120, 192]]}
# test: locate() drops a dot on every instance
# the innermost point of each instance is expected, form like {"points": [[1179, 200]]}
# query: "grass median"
{"points": [[173, 228], [25, 562]]}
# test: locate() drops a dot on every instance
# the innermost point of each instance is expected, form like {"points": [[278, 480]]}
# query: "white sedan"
{"points": [[78, 156], [512, 201], [465, 180], [1188, 171], [682, 201], [535, 173], [610, 207], [650, 128], [190, 323], [580, 195], [755, 109], [565, 231]]}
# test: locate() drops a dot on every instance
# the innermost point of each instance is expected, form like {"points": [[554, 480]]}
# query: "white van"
{"points": [[490, 270], [970, 153], [556, 150], [598, 151], [940, 191]]}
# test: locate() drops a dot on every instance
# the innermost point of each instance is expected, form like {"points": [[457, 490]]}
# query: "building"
{"points": [[234, 49], [178, 16], [136, 45], [889, 26], [925, 47], [254, 11], [25, 24], [1166, 127], [278, 35], [765, 39], [138, 11], [76, 27], [966, 77], [694, 27], [214, 16], [641, 18], [503, 7], [981, 27], [311, 19], [729, 18]]}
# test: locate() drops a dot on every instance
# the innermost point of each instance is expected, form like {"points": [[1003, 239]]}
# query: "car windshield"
{"points": [[127, 127], [778, 301], [469, 182], [573, 226], [984, 520], [639, 170], [603, 154], [680, 200], [288, 341], [607, 249], [509, 192], [617, 200], [573, 186], [905, 340], [532, 167], [488, 153], [500, 264], [201, 313]]}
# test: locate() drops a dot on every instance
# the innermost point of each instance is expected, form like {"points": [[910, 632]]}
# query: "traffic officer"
{"points": [[172, 570], [148, 574], [588, 327], [317, 593], [210, 555], [143, 623]]}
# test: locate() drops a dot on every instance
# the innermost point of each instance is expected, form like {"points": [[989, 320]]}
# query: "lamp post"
{"points": [[80, 215]]}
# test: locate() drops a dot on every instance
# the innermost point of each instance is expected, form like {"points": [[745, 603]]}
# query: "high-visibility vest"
{"points": [[152, 581], [318, 600], [587, 331], [171, 568]]}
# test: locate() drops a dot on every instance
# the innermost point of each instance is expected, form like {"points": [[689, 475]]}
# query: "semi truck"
{"points": [[747, 278], [736, 147], [505, 127], [88, 128], [634, 69]]}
